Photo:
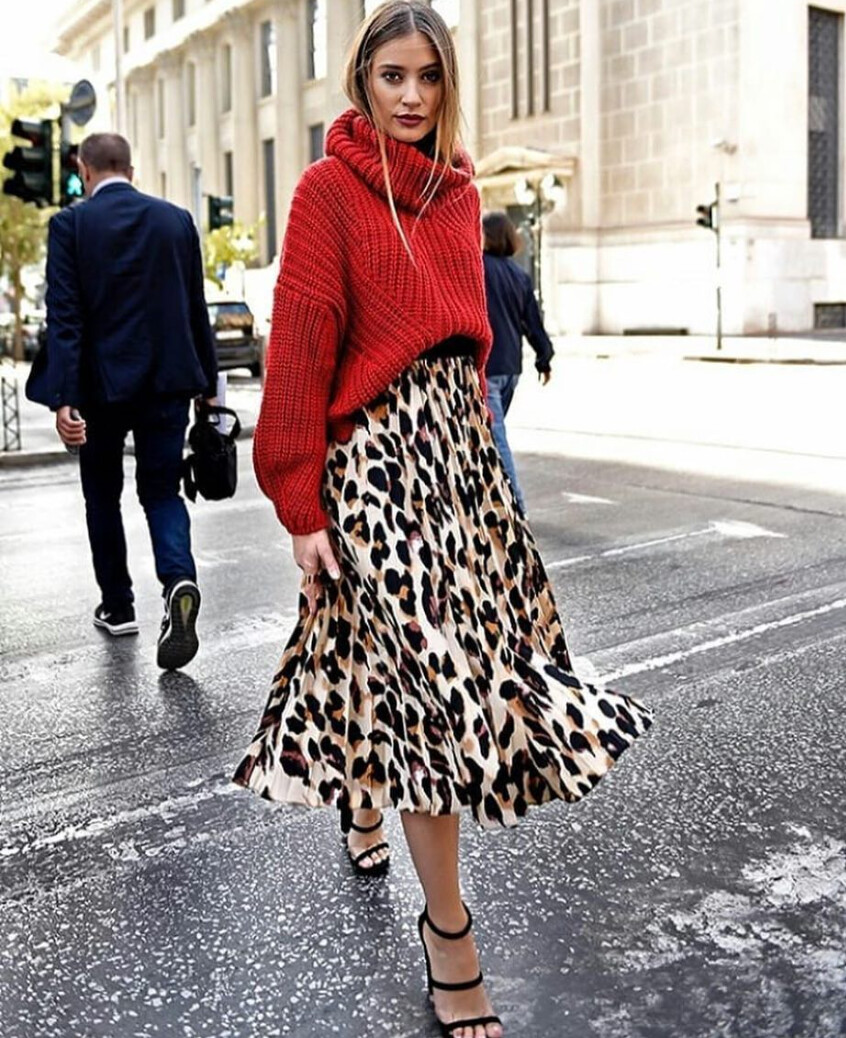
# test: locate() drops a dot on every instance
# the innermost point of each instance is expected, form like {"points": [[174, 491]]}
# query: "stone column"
{"points": [[290, 129], [341, 28], [144, 150], [175, 157], [247, 154], [208, 117], [468, 44], [590, 115]]}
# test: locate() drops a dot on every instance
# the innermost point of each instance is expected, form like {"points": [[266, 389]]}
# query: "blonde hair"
{"points": [[391, 21]]}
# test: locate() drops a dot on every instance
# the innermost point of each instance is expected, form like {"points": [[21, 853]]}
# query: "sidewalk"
{"points": [[40, 445], [824, 349]]}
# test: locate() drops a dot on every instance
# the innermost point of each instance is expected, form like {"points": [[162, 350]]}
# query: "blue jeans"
{"points": [[500, 394], [158, 428]]}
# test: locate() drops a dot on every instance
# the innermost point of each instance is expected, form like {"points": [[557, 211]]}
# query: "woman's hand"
{"points": [[313, 553]]}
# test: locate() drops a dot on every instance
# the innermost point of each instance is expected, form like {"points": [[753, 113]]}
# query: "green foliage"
{"points": [[22, 226], [227, 245]]}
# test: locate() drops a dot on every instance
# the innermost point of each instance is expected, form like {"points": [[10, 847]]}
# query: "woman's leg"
{"points": [[433, 842], [359, 842], [496, 384]]}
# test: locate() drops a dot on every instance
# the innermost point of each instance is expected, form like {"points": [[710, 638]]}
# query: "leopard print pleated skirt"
{"points": [[435, 675]]}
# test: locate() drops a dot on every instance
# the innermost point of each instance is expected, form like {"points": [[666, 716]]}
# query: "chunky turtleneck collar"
{"points": [[352, 139]]}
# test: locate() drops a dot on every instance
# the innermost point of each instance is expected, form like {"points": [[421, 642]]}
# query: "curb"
{"points": [[29, 459], [769, 360]]}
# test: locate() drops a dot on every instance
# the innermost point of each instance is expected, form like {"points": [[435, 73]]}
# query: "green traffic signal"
{"points": [[71, 188], [32, 165]]}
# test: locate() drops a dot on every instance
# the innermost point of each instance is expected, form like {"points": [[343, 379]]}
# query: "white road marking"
{"points": [[585, 499], [166, 810], [669, 658], [724, 528]]}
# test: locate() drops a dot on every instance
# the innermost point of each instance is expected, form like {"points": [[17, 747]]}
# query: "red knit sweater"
{"points": [[351, 310]]}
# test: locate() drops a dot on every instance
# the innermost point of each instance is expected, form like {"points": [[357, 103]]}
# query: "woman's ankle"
{"points": [[451, 917]]}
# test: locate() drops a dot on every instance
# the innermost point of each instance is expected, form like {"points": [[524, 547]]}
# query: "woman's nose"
{"points": [[411, 96]]}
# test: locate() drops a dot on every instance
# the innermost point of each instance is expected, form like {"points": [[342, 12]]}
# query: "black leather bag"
{"points": [[212, 468]]}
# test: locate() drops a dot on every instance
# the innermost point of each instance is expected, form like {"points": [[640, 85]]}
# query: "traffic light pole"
{"points": [[718, 236]]}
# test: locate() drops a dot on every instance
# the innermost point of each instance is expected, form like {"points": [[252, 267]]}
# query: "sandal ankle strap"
{"points": [[367, 828], [459, 985], [445, 934]]}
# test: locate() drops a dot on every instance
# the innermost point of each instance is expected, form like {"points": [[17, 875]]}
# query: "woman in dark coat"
{"points": [[513, 313]]}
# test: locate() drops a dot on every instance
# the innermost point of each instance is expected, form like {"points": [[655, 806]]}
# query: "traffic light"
{"points": [[708, 216], [31, 165], [220, 211], [71, 188]]}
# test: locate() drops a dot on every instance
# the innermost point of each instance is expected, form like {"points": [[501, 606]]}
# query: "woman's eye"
{"points": [[432, 77], [391, 77]]}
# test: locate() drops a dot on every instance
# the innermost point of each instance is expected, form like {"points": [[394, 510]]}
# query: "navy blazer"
{"points": [[513, 312], [126, 313]]}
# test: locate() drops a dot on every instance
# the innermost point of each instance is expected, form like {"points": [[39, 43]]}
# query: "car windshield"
{"points": [[230, 315]]}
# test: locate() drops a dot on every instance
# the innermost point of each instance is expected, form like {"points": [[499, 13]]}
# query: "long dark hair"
{"points": [[501, 236]]}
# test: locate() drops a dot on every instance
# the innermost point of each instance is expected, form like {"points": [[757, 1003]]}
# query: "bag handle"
{"points": [[206, 411]]}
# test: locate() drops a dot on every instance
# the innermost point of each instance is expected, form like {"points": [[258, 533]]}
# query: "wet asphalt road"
{"points": [[699, 892]]}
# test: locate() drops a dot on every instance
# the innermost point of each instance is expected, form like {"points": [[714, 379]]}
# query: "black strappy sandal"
{"points": [[378, 868], [448, 1030]]}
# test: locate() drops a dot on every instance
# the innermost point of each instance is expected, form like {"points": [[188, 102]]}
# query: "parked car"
{"points": [[235, 338], [31, 324]]}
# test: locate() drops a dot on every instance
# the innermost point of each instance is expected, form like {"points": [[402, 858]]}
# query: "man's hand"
{"points": [[71, 429], [313, 553], [544, 377], [208, 401]]}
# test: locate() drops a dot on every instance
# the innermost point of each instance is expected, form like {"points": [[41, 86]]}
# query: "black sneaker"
{"points": [[178, 642], [116, 621]]}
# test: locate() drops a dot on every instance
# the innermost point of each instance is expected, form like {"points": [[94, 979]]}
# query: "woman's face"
{"points": [[406, 87]]}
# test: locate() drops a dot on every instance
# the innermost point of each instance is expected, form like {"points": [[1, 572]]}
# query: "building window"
{"points": [[824, 182], [149, 23], [545, 92], [191, 91], [178, 9], [529, 25], [160, 107], [95, 58], [316, 49], [268, 153], [228, 175], [163, 185], [515, 91], [268, 58], [226, 78], [316, 134], [126, 39]]}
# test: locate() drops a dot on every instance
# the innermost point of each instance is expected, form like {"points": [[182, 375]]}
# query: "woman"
{"points": [[513, 313], [428, 670]]}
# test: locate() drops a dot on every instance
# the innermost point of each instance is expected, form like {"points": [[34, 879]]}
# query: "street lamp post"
{"points": [[539, 196]]}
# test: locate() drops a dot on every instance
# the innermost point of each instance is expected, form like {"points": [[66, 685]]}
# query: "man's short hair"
{"points": [[106, 153]]}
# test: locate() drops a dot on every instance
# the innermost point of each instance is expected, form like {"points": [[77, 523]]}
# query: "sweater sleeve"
{"points": [[307, 325]]}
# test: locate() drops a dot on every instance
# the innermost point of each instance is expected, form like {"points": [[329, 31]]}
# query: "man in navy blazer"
{"points": [[129, 344]]}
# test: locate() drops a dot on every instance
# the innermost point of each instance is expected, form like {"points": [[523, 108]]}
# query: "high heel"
{"points": [[378, 868], [449, 1029]]}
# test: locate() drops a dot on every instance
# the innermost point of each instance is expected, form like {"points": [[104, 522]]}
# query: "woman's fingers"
{"points": [[327, 559], [313, 553], [311, 590]]}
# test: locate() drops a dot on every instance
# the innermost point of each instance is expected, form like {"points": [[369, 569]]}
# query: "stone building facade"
{"points": [[599, 124]]}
